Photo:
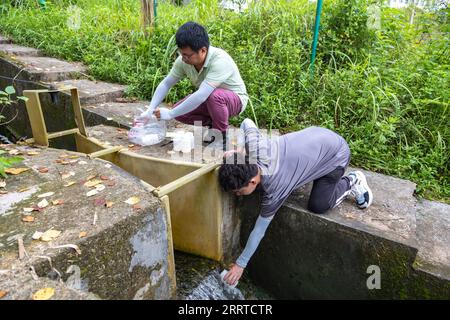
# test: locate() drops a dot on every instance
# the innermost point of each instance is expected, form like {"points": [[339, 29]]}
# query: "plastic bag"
{"points": [[147, 134]]}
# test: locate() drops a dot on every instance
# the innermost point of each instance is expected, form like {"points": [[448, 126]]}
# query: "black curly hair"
{"points": [[236, 172], [192, 35]]}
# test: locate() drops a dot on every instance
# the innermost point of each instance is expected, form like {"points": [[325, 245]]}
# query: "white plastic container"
{"points": [[178, 141]]}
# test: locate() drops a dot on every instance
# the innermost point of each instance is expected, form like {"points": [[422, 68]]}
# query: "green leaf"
{"points": [[7, 162], [3, 93], [10, 90], [22, 98]]}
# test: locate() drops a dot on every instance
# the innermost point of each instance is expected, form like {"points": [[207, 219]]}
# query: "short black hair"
{"points": [[192, 35], [236, 172]]}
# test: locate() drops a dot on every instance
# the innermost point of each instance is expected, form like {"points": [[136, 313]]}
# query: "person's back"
{"points": [[294, 159]]}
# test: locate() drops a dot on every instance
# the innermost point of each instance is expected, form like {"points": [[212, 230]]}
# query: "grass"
{"points": [[385, 91]]}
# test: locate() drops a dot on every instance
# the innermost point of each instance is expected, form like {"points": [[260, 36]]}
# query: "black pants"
{"points": [[328, 191]]}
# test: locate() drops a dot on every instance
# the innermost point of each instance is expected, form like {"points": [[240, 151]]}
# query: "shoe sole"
{"points": [[363, 182]]}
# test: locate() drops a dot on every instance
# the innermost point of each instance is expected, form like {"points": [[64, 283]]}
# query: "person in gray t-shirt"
{"points": [[282, 164]]}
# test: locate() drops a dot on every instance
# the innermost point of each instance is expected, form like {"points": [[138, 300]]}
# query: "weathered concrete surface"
{"points": [[43, 68], [125, 252], [4, 40], [91, 92], [21, 285], [58, 114], [433, 237], [15, 50], [304, 255]]}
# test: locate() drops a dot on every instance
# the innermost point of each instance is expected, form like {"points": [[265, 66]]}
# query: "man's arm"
{"points": [[253, 241], [192, 102], [160, 93]]}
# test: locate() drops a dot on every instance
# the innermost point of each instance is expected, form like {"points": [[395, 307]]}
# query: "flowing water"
{"points": [[199, 279]]}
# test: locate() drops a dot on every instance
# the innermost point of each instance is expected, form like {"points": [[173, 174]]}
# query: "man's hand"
{"points": [[234, 274], [162, 114]]}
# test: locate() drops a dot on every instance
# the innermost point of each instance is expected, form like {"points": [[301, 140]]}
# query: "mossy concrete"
{"points": [[125, 253], [309, 256]]}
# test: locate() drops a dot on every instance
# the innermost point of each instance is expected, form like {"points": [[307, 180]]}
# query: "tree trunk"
{"points": [[147, 11]]}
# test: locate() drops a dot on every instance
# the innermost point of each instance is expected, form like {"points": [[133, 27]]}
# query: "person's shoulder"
{"points": [[219, 54]]}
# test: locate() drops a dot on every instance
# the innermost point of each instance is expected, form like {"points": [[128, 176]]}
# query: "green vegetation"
{"points": [[5, 100], [386, 91]]}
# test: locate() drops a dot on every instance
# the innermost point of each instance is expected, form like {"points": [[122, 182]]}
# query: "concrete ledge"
{"points": [[4, 40], [15, 50], [92, 92], [126, 250]]}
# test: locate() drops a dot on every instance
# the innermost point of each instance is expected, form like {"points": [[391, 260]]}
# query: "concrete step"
{"points": [[4, 39], [124, 252], [15, 50], [94, 92], [116, 114], [40, 68]]}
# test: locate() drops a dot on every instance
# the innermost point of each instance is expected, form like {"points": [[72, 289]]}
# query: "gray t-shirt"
{"points": [[289, 161]]}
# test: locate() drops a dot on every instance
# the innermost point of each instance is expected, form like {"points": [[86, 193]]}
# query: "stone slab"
{"points": [[125, 251], [15, 50]]}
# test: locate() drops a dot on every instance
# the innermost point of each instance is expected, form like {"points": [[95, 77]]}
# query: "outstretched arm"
{"points": [[160, 93], [194, 100], [253, 241]]}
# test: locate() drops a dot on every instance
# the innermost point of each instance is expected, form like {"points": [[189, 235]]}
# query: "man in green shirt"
{"points": [[221, 92]]}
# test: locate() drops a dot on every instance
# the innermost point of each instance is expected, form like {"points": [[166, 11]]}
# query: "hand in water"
{"points": [[233, 276]]}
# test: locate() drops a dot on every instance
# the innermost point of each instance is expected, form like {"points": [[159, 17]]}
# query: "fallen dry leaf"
{"points": [[91, 193], [13, 152], [44, 294], [99, 202], [3, 192], [73, 157], [82, 234], [110, 183], [33, 153], [47, 194], [104, 177], [2, 184], [28, 219], [3, 293], [132, 200], [82, 162], [43, 169], [66, 175], [28, 209], [24, 189], [36, 235], [92, 183], [130, 146], [91, 177], [50, 235], [16, 170], [70, 183], [57, 202], [43, 203], [107, 165], [100, 187], [136, 207], [109, 204], [64, 155]]}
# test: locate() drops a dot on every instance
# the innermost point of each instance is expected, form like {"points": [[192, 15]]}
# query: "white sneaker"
{"points": [[360, 189]]}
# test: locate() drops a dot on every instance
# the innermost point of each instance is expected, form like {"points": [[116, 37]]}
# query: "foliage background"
{"points": [[385, 91]]}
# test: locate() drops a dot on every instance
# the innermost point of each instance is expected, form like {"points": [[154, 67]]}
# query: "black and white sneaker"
{"points": [[360, 189]]}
